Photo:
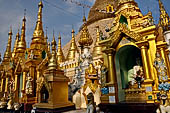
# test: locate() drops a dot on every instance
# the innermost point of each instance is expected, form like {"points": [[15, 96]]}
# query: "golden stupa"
{"points": [[119, 55]]}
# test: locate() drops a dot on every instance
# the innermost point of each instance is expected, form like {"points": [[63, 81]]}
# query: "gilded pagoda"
{"points": [[119, 55]]}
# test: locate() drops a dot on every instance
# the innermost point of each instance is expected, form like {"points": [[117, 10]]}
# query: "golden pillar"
{"points": [[2, 84], [146, 67], [111, 65], [6, 85], [16, 81], [112, 79], [144, 52], [24, 81], [38, 74]]}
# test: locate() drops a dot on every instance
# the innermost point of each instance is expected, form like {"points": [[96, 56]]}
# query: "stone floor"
{"points": [[76, 111]]}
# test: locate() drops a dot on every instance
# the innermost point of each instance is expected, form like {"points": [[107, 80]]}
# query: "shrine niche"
{"points": [[44, 91], [129, 70]]}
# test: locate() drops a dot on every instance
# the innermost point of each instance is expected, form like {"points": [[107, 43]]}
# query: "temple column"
{"points": [[24, 81], [112, 97], [16, 81], [6, 85], [38, 74], [16, 88], [146, 67], [2, 84], [144, 52], [112, 76]]}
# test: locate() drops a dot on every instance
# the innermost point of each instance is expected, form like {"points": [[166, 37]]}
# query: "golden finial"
{"points": [[46, 37], [16, 44], [164, 19], [38, 32], [85, 38], [53, 43], [52, 62], [10, 31], [97, 48], [40, 6], [73, 48], [7, 53], [49, 46], [84, 19], [21, 47], [60, 56], [23, 29]]}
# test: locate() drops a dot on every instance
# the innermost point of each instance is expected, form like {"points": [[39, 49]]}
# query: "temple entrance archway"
{"points": [[126, 58]]}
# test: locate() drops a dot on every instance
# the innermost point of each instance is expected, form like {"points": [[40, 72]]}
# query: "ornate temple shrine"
{"points": [[119, 57]]}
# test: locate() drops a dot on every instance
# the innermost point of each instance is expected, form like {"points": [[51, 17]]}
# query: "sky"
{"points": [[58, 15]]}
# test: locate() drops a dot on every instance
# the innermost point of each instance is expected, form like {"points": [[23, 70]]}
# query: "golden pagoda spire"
{"points": [[49, 46], [22, 42], [38, 32], [53, 43], [85, 38], [164, 19], [73, 48], [53, 61], [7, 54], [97, 48], [23, 30], [60, 56], [21, 47], [16, 43], [46, 37]]}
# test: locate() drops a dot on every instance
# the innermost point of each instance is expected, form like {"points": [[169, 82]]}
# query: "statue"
{"points": [[164, 103], [10, 102], [86, 57], [163, 86], [3, 101], [11, 86], [91, 107], [29, 89], [16, 106], [137, 75]]}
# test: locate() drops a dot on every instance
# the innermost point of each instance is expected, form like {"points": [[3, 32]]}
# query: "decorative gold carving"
{"points": [[85, 38], [114, 39]]}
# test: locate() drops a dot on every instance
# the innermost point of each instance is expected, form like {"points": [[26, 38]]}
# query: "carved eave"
{"points": [[43, 64], [18, 68], [147, 31], [32, 62], [116, 37], [162, 44]]}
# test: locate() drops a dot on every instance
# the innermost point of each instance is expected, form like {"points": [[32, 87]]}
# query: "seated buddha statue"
{"points": [[90, 72]]}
